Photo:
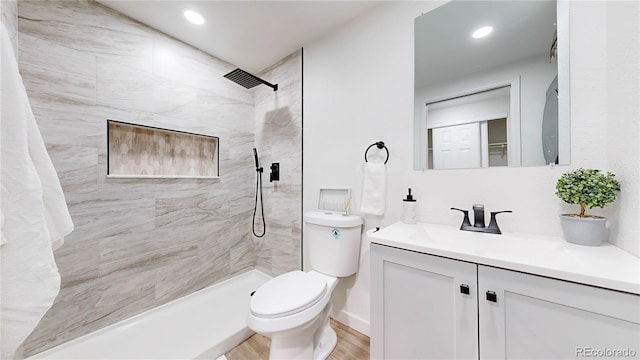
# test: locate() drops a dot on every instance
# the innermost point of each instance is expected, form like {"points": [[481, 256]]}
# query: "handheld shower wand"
{"points": [[255, 206], [255, 158]]}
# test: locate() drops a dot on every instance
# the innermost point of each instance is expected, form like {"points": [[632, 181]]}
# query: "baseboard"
{"points": [[357, 323]]}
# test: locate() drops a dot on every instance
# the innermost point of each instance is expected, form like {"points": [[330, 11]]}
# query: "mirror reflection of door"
{"points": [[457, 147], [469, 131]]}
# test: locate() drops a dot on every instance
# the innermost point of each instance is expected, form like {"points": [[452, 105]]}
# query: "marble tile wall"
{"points": [[139, 243], [279, 139]]}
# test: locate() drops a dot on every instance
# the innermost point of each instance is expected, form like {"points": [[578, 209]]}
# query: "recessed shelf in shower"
{"points": [[140, 151]]}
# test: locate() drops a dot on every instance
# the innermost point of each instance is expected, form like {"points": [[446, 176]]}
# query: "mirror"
{"points": [[498, 100]]}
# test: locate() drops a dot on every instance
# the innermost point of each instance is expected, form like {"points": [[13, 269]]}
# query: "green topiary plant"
{"points": [[588, 188]]}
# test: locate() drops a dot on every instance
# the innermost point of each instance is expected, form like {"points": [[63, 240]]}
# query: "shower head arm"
{"points": [[273, 86]]}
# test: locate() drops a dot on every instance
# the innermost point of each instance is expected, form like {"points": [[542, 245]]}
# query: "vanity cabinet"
{"points": [[427, 307], [417, 308]]}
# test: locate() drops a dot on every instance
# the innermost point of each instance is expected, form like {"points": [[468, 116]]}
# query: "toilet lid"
{"points": [[287, 294]]}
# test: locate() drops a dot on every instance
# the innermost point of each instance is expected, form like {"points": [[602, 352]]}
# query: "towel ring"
{"points": [[380, 145]]}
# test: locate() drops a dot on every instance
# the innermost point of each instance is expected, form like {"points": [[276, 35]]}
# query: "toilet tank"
{"points": [[333, 241]]}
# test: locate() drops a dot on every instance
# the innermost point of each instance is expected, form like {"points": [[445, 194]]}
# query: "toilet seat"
{"points": [[287, 294]]}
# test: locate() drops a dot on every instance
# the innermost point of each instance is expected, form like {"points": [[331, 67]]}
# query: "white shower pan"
{"points": [[202, 325]]}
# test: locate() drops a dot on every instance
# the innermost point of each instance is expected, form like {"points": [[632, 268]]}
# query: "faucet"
{"points": [[478, 220]]}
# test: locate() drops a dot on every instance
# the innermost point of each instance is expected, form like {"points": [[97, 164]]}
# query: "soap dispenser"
{"points": [[409, 209]]}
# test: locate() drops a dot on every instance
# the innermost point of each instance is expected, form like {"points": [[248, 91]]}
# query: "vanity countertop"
{"points": [[605, 266]]}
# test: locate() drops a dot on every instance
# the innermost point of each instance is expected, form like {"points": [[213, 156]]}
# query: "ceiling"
{"points": [[249, 34]]}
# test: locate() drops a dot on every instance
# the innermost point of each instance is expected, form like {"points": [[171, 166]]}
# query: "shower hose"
{"points": [[255, 206]]}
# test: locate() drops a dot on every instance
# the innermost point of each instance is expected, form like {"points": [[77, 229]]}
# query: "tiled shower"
{"points": [[139, 243]]}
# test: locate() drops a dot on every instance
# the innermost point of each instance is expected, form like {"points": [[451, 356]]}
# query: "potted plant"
{"points": [[588, 188]]}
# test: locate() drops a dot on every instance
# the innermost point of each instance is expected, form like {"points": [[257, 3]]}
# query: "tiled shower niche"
{"points": [[138, 151]]}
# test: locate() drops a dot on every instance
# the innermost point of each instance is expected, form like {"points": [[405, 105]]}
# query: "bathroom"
{"points": [[138, 244]]}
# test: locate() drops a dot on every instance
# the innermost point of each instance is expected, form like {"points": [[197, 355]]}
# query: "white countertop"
{"points": [[605, 266]]}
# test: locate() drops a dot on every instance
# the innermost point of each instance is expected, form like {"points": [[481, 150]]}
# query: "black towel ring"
{"points": [[380, 145]]}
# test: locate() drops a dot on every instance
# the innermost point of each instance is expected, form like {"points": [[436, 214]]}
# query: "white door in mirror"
{"points": [[457, 147]]}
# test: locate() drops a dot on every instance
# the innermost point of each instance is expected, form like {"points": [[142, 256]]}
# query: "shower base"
{"points": [[202, 325]]}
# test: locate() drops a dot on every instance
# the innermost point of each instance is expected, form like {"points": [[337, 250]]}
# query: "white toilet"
{"points": [[293, 309]]}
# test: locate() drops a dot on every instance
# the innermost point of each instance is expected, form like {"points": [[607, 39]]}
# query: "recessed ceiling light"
{"points": [[482, 32], [194, 17]]}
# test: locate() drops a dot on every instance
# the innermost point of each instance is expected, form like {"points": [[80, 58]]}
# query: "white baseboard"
{"points": [[357, 323]]}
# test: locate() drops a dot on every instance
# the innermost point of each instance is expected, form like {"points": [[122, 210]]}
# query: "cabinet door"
{"points": [[535, 317], [418, 309]]}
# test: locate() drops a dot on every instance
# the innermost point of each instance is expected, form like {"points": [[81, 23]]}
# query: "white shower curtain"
{"points": [[33, 212]]}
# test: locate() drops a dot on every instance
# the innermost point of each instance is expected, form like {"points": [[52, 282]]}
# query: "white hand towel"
{"points": [[374, 188], [33, 208]]}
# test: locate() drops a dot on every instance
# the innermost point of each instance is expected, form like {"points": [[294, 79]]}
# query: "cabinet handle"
{"points": [[464, 289], [491, 296]]}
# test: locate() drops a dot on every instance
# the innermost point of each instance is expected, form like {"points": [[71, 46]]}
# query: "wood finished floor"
{"points": [[352, 345]]}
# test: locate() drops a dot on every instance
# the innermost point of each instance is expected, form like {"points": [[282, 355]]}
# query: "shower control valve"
{"points": [[275, 172]]}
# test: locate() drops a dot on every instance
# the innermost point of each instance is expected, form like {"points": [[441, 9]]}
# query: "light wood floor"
{"points": [[352, 345]]}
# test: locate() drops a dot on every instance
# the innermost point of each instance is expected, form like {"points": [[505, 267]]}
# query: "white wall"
{"points": [[358, 89], [623, 110]]}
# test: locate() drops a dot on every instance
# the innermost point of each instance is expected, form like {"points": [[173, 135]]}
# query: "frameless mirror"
{"points": [[501, 99]]}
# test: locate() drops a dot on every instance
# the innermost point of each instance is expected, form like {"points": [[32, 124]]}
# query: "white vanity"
{"points": [[441, 293]]}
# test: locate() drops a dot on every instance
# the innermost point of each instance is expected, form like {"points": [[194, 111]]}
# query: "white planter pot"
{"points": [[590, 231]]}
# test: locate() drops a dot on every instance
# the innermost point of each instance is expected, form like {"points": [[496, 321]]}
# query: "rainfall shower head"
{"points": [[248, 80]]}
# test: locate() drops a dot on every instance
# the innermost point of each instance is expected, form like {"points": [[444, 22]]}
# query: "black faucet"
{"points": [[478, 220]]}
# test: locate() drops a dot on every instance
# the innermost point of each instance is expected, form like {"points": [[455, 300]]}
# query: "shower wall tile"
{"points": [[233, 238], [129, 88], [180, 63], [127, 266], [58, 85], [242, 254], [139, 243], [120, 299], [114, 248], [281, 248], [68, 312], [279, 138], [113, 298], [65, 127], [95, 218], [76, 167], [285, 261], [90, 306], [224, 113], [42, 53], [284, 207], [191, 274], [178, 124], [197, 208], [77, 262], [90, 28]]}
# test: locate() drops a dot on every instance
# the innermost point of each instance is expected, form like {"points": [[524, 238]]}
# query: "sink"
{"points": [[449, 240], [605, 266]]}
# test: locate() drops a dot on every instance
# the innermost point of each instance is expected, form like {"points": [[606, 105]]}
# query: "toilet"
{"points": [[293, 308]]}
